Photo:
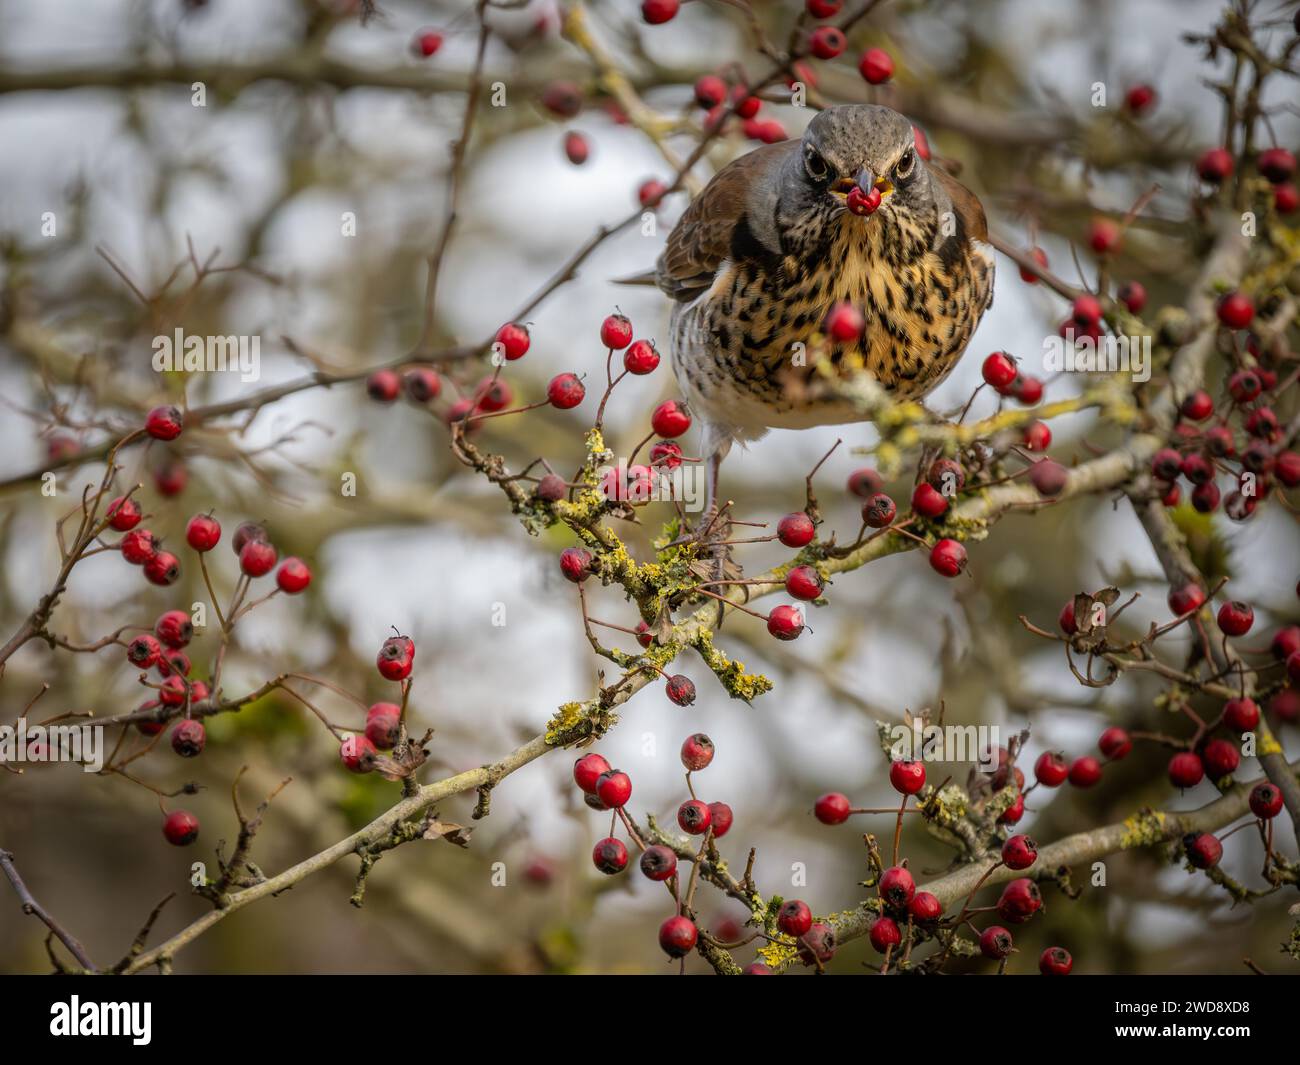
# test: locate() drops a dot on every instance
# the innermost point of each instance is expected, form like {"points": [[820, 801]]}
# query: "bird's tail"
{"points": [[645, 278]]}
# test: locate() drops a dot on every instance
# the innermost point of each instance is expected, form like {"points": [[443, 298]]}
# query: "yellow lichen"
{"points": [[1144, 829]]}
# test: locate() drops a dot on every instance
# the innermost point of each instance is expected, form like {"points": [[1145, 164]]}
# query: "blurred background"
{"points": [[312, 117]]}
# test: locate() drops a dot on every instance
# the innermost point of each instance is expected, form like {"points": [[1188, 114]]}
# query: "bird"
{"points": [[760, 257]]}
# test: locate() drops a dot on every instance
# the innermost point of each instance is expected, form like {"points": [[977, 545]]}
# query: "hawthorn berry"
{"points": [[1265, 800], [710, 91], [785, 622], [1055, 961], [925, 907], [721, 818], [587, 770], [395, 658], [171, 478], [697, 752], [609, 856], [804, 582], [138, 546], [551, 488], [641, 358], [1244, 386], [616, 332], [576, 148], [426, 43], [996, 942], [817, 944], [657, 12], [164, 423], [658, 862], [174, 628], [1286, 198], [1214, 165], [865, 482], [575, 564], [1236, 618], [643, 634], [1049, 478], [897, 887], [876, 66], [907, 776], [124, 514], [162, 568], [1115, 744], [879, 511], [948, 558], [832, 808], [1185, 599], [1186, 770], [383, 386], [188, 738], [1219, 441], [1133, 295], [694, 817], [1104, 235], [1086, 309], [1258, 458], [1198, 406], [513, 340], [143, 651], [383, 725], [651, 192], [844, 323], [1013, 813], [670, 419], [794, 918], [614, 788], [180, 828], [1037, 436], [884, 934], [248, 530], [1050, 770], [745, 105], [1197, 468], [151, 726], [293, 576], [796, 530], [203, 532], [1285, 705], [1026, 389], [1276, 164], [999, 370], [1019, 852], [666, 453], [1085, 771], [1066, 620], [824, 8], [422, 385], [1235, 310], [492, 395], [1241, 715], [1203, 850], [562, 98], [358, 754], [680, 689], [1140, 99], [565, 391], [1221, 758], [1019, 901], [173, 661], [257, 558], [927, 502], [826, 42]]}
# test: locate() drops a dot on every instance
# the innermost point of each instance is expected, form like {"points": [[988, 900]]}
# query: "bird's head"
{"points": [[861, 146]]}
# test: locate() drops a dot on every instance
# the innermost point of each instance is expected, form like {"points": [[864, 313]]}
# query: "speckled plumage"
{"points": [[760, 257]]}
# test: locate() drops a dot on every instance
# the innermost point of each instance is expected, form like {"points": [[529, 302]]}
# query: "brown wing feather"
{"points": [[701, 240], [966, 204]]}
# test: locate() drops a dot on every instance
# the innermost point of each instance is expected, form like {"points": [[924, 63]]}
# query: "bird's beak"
{"points": [[865, 180]]}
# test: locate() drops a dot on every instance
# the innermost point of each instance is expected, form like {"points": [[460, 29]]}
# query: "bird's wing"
{"points": [[966, 204], [701, 240]]}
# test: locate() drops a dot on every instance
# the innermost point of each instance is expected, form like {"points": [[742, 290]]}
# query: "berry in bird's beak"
{"points": [[862, 193]]}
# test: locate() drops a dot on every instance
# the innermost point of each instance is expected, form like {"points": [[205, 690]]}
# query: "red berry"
{"points": [[395, 658], [710, 91], [1198, 406], [616, 332], [426, 43], [188, 738], [257, 558], [163, 568], [721, 818], [492, 395], [697, 752], [1263, 423], [1236, 310], [804, 582], [1019, 852], [794, 918], [293, 576], [1026, 389], [1219, 441], [680, 690], [999, 370], [1019, 901], [1186, 599], [1087, 309], [1241, 715], [575, 564], [865, 482], [1037, 436], [1055, 961], [1066, 619], [1285, 705], [1203, 850], [906, 776], [562, 98], [658, 862], [1196, 468], [164, 423], [879, 511], [1115, 744], [1085, 772], [614, 788], [1140, 99], [844, 323], [172, 691], [641, 358], [670, 419], [1286, 198], [1221, 758], [785, 622], [826, 42], [884, 934], [666, 453], [1285, 642], [576, 148], [1236, 618], [817, 944], [925, 907], [174, 628], [587, 770], [357, 754], [609, 856], [514, 340], [832, 808], [123, 514], [996, 942], [1293, 667], [1048, 478], [1050, 770], [1214, 165], [876, 66], [897, 887], [643, 634], [565, 391], [1040, 257], [694, 817], [657, 12], [1186, 770], [927, 502], [175, 661], [143, 651], [139, 546], [863, 203], [1276, 164], [796, 530], [824, 8], [745, 105], [1013, 813], [203, 532], [948, 557], [1133, 295], [246, 531], [1104, 235], [171, 478], [384, 725], [181, 828], [1265, 800], [383, 386]]}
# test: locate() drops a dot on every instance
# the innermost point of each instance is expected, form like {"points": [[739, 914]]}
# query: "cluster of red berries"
{"points": [[1277, 165], [395, 660]]}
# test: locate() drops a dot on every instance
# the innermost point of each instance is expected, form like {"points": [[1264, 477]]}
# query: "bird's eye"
{"points": [[906, 163], [817, 167]]}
